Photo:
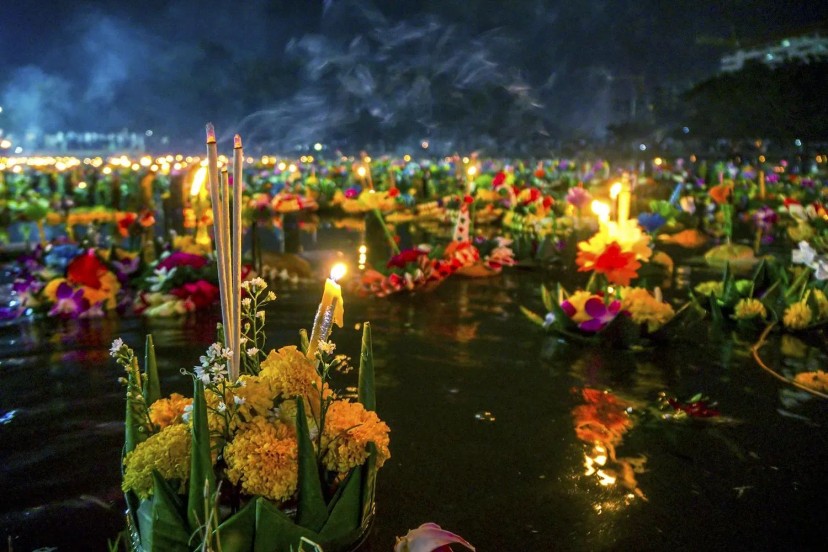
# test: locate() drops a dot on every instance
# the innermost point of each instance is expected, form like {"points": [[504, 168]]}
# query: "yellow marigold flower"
{"points": [[348, 430], [578, 300], [749, 308], [644, 308], [255, 397], [710, 287], [629, 236], [167, 452], [822, 302], [188, 244], [290, 373], [797, 316], [165, 412], [264, 456]]}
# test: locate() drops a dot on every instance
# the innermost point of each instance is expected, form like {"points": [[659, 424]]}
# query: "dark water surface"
{"points": [[482, 407]]}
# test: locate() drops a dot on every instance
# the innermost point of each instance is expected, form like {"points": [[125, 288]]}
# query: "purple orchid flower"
{"points": [[69, 303], [765, 218], [601, 314]]}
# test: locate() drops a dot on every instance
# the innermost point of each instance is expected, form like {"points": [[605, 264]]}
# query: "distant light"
{"points": [[798, 142], [406, 158], [615, 189], [769, 57], [361, 171], [642, 147], [107, 170], [658, 161], [366, 159], [317, 146], [692, 158], [148, 133], [424, 144], [199, 178], [292, 168], [82, 185], [282, 166], [761, 158], [5, 144], [465, 160], [1, 109], [685, 130], [135, 166], [18, 149], [786, 43]]}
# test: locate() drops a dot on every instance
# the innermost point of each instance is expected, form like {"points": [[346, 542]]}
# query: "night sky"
{"points": [[287, 74]]}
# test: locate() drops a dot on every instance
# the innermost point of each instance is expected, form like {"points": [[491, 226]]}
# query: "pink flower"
{"points": [[179, 258], [429, 537]]}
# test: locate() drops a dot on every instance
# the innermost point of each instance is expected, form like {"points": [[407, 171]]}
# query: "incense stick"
{"points": [[215, 198], [238, 182]]}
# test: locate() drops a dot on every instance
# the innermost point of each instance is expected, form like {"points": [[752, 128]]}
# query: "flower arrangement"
{"points": [[266, 455], [177, 283]]}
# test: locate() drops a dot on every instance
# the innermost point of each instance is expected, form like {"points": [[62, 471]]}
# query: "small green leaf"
{"points": [[532, 316], [304, 342], [312, 513], [161, 525], [152, 385], [369, 483], [546, 296], [367, 393]]}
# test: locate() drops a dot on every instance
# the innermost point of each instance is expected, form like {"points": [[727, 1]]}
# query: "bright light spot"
{"points": [[615, 189], [310, 158], [361, 172], [107, 170], [424, 144], [282, 166], [292, 168], [17, 169], [769, 57], [198, 181], [338, 271], [786, 43], [642, 147], [601, 209], [135, 166], [406, 158], [148, 133], [5, 144], [1, 109], [685, 130], [18, 149], [60, 166], [317, 146], [472, 171], [363, 249], [82, 185], [178, 157], [146, 161], [798, 142], [303, 159], [658, 161], [465, 160]]}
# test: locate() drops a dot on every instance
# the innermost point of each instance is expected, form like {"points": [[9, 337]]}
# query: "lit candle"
{"points": [[615, 190], [761, 184], [471, 172], [331, 310], [624, 201]]}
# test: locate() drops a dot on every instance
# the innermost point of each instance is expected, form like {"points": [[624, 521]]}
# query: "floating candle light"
{"points": [[331, 310]]}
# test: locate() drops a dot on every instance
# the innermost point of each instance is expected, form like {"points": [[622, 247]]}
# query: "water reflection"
{"points": [[601, 423]]}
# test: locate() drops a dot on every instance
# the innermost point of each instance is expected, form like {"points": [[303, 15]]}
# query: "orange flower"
{"points": [[618, 266], [721, 193], [146, 219]]}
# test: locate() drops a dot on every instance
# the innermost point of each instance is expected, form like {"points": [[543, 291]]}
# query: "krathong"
{"points": [[265, 455]]}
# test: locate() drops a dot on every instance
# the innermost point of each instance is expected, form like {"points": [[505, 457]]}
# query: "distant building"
{"points": [[802, 48]]}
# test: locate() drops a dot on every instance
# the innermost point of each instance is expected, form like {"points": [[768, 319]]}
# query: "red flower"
{"points": [[405, 257], [618, 266], [86, 270], [393, 192], [540, 173], [124, 222], [548, 201], [468, 199], [498, 179]]}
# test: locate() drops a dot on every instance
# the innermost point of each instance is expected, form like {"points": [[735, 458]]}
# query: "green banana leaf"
{"points": [[312, 513], [367, 392], [532, 316], [201, 465], [152, 385], [160, 522], [275, 531], [346, 513], [237, 532]]}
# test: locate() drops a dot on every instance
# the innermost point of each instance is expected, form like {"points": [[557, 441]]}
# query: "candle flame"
{"points": [[198, 181], [338, 271], [601, 209], [472, 171], [237, 144], [211, 134], [615, 190], [361, 171]]}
